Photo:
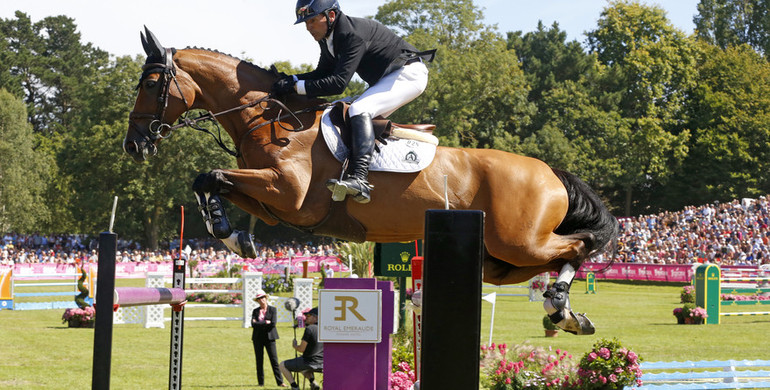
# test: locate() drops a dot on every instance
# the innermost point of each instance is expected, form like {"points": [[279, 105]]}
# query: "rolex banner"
{"points": [[394, 259]]}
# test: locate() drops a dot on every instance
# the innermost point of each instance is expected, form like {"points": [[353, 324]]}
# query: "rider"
{"points": [[393, 69]]}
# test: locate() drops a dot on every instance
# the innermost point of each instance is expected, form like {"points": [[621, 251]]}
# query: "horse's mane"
{"points": [[256, 67]]}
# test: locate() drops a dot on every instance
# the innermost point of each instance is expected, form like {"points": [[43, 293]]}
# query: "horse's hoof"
{"points": [[246, 246], [577, 324], [558, 308]]}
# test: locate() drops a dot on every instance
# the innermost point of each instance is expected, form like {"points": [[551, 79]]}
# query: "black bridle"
{"points": [[158, 129]]}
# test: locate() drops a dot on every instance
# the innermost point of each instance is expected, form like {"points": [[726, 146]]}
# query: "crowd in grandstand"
{"points": [[734, 233], [64, 248]]}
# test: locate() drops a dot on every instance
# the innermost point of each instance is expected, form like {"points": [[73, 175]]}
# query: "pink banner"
{"points": [[638, 271], [204, 268]]}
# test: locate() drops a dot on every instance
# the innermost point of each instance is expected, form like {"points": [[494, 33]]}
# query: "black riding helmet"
{"points": [[306, 9]]}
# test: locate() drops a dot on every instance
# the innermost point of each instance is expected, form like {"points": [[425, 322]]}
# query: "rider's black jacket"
{"points": [[362, 46]]}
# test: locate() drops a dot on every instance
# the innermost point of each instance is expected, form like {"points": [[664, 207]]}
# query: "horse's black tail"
{"points": [[588, 214]]}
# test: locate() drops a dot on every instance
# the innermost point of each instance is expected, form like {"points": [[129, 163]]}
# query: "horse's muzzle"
{"points": [[139, 150]]}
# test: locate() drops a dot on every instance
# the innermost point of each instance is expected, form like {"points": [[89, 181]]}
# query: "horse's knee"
{"points": [[212, 182]]}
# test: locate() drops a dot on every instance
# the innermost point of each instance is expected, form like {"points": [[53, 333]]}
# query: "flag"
{"points": [[490, 297]]}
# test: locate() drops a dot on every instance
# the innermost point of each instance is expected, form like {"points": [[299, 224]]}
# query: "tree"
{"points": [[47, 63], [730, 118], [477, 95], [548, 59], [96, 168], [558, 73], [649, 66], [733, 22], [23, 171]]}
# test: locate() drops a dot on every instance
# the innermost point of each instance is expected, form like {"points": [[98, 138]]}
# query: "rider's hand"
{"points": [[284, 86]]}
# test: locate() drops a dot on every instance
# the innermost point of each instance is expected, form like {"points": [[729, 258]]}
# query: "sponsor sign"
{"points": [[349, 316]]}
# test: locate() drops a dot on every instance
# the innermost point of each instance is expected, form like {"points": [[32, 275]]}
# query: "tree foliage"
{"points": [[727, 23], [23, 170], [650, 117], [730, 117], [470, 104], [46, 64], [648, 66]]}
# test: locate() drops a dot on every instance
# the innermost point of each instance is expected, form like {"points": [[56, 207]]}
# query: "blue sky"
{"points": [[263, 31]]}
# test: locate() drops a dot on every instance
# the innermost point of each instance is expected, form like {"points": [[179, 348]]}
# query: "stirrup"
{"points": [[358, 188]]}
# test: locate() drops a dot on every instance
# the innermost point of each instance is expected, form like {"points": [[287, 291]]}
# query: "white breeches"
{"points": [[392, 91]]}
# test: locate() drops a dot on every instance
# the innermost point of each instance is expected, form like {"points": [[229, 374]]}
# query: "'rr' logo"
{"points": [[347, 303]]}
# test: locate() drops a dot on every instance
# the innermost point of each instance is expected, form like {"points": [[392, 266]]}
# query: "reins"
{"points": [[159, 130]]}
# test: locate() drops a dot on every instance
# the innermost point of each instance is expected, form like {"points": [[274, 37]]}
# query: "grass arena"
{"points": [[38, 351]]}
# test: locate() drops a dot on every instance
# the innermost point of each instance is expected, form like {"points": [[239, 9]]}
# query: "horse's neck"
{"points": [[218, 75]]}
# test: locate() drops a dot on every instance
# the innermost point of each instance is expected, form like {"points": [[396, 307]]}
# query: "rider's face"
{"points": [[317, 26]]}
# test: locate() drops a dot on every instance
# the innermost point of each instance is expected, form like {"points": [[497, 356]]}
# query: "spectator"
{"points": [[263, 336], [312, 353]]}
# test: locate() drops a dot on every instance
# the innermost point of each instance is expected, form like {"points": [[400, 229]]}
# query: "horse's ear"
{"points": [[152, 46], [276, 73], [145, 45]]}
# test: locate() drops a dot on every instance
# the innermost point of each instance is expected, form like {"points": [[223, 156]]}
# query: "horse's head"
{"points": [[160, 101]]}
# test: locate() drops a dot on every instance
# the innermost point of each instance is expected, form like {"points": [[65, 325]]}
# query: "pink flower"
{"points": [[613, 378], [604, 353], [507, 381], [592, 356]]}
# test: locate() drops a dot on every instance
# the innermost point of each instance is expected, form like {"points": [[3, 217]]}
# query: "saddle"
{"points": [[383, 128], [410, 158]]}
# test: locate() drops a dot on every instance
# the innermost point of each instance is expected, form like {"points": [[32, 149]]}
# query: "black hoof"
{"points": [[246, 243]]}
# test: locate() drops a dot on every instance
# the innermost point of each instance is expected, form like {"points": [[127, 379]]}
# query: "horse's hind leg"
{"points": [[557, 303], [207, 187]]}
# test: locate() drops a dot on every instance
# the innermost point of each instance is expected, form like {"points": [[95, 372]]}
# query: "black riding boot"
{"points": [[355, 181]]}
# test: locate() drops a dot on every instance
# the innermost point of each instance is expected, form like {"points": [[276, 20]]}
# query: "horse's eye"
{"points": [[149, 84]]}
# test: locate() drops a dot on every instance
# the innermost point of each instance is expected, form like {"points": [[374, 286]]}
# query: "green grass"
{"points": [[37, 351]]}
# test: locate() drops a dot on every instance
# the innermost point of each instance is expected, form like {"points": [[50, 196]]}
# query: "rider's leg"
{"points": [[217, 223], [356, 179], [381, 99]]}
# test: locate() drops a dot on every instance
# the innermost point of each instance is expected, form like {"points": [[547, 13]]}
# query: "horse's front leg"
{"points": [[207, 188]]}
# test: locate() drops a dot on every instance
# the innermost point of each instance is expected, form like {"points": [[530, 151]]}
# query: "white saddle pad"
{"points": [[399, 155]]}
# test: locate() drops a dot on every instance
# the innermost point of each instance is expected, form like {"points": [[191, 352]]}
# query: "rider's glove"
{"points": [[284, 86]]}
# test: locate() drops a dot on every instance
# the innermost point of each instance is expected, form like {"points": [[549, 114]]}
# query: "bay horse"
{"points": [[538, 219]]}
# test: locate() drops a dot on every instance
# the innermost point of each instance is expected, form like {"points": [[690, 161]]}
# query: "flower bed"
{"points": [[690, 314], [607, 366], [735, 297], [79, 318]]}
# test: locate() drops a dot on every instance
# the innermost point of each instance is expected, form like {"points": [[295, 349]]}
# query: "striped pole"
{"points": [[140, 296]]}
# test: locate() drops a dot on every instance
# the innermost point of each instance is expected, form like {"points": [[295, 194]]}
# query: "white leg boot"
{"points": [[558, 307]]}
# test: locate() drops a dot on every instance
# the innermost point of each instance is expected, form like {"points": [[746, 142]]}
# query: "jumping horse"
{"points": [[538, 219]]}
